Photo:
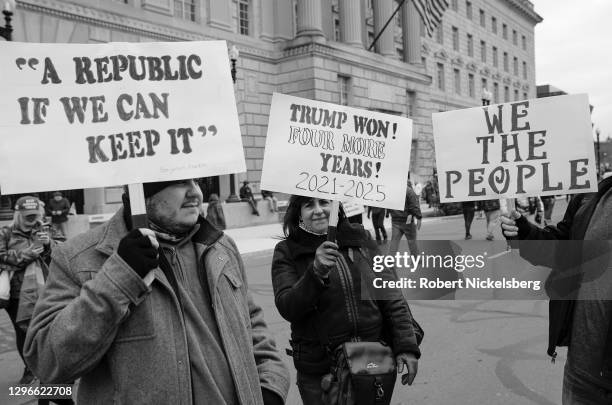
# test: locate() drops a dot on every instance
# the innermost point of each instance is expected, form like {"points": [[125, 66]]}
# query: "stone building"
{"points": [[319, 49]]}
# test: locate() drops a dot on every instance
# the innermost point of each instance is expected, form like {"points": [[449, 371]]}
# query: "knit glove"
{"points": [[139, 251]]}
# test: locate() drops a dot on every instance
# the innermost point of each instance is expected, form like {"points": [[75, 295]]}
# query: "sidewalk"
{"points": [[263, 238]]}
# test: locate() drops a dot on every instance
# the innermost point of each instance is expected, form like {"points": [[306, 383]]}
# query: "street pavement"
{"points": [[474, 352]]}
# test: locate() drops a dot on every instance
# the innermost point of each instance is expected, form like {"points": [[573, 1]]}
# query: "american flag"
{"points": [[431, 12]]}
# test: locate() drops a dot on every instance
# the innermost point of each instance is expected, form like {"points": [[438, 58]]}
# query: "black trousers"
{"points": [[20, 331], [378, 220]]}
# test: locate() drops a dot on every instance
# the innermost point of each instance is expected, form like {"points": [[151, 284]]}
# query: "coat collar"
{"points": [[116, 229]]}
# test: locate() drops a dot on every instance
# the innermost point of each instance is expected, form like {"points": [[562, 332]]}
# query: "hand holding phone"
{"points": [[43, 237]]}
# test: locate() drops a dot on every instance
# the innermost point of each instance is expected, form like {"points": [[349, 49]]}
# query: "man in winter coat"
{"points": [[406, 222], [158, 315], [58, 208], [580, 287]]}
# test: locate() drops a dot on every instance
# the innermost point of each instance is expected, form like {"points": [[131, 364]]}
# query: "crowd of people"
{"points": [[164, 314]]}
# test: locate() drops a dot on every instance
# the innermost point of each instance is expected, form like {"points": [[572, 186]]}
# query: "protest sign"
{"points": [[526, 148], [336, 152], [79, 116], [351, 208]]}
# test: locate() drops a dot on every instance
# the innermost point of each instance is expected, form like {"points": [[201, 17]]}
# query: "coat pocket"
{"points": [[139, 323], [231, 288]]}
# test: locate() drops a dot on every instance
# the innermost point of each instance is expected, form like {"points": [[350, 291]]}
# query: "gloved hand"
{"points": [[538, 218], [139, 250], [325, 258]]}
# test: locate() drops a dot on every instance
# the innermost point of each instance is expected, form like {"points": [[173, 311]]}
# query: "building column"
{"points": [[351, 22], [309, 18], [382, 11], [411, 22]]}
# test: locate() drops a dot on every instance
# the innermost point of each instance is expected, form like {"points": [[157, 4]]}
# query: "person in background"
{"points": [[58, 208], [246, 194], [311, 290], [155, 315], [427, 193], [468, 208], [406, 222], [491, 209], [418, 189], [25, 242], [378, 221], [549, 203], [272, 200], [214, 212]]}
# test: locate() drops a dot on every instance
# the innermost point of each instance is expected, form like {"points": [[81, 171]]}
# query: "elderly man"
{"points": [[24, 244], [155, 316]]}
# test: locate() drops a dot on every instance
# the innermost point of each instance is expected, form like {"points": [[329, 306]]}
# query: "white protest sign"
{"points": [[78, 116], [351, 208], [526, 148], [330, 151]]}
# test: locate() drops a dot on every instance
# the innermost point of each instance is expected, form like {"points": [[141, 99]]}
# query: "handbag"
{"points": [[5, 287], [362, 373]]}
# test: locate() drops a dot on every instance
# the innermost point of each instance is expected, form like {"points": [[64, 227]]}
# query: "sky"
{"points": [[573, 51]]}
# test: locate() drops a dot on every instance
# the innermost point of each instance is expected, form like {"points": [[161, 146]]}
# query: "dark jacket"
{"points": [[411, 207], [324, 315], [13, 242], [566, 259], [245, 192], [62, 205]]}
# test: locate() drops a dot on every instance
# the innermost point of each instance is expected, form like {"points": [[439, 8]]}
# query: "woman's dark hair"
{"points": [[292, 216]]}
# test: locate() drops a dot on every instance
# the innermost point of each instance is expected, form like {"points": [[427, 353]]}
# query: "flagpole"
{"points": [[386, 24]]}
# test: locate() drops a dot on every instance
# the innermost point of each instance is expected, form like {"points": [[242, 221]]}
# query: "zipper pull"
{"points": [[351, 255]]}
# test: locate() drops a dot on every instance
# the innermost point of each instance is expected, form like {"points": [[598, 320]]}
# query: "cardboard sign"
{"points": [[351, 208], [336, 152], [526, 148], [78, 116]]}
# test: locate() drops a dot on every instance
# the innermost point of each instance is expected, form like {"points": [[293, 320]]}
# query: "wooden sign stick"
{"points": [[139, 217], [333, 221], [138, 206]]}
